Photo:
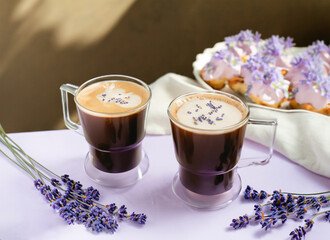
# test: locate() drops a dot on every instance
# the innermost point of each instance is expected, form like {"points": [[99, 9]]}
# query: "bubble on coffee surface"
{"points": [[119, 97], [205, 113]]}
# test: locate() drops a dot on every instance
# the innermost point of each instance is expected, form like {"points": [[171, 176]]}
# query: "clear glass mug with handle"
{"points": [[210, 154], [112, 110]]}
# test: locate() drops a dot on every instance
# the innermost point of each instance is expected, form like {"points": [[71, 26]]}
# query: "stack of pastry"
{"points": [[269, 74]]}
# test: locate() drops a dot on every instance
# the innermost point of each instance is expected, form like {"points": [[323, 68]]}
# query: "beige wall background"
{"points": [[45, 43]]}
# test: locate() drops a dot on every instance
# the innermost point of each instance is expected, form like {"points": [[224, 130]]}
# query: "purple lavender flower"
{"points": [[301, 212], [254, 63], [263, 195], [110, 224], [70, 184], [250, 193], [68, 193], [290, 207], [235, 223], [111, 208], [283, 218], [240, 222], [259, 215], [301, 200], [278, 198], [139, 218], [271, 76], [245, 37], [55, 182], [318, 80], [44, 189], [327, 216], [122, 212], [300, 232], [221, 54], [277, 213], [279, 210], [38, 184], [323, 199], [77, 186], [82, 216], [266, 224], [307, 62], [95, 211], [93, 192], [67, 213], [257, 208], [74, 189], [247, 192], [87, 201], [317, 47], [289, 198], [299, 61], [276, 46], [65, 178], [315, 203], [309, 224], [258, 76], [97, 226], [59, 203]]}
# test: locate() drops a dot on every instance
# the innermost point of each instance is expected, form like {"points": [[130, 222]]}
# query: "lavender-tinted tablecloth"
{"points": [[25, 215]]}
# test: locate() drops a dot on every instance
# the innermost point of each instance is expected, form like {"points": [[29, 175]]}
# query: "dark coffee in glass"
{"points": [[113, 115], [208, 131]]}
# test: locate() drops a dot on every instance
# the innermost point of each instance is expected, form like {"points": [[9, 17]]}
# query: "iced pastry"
{"points": [[320, 49], [300, 64], [263, 83], [222, 66], [276, 50], [243, 44], [226, 63], [311, 90]]}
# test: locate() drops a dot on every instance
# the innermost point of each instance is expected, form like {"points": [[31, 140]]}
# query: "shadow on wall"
{"points": [[44, 44]]}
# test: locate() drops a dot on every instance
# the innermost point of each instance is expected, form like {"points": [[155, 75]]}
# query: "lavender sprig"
{"points": [[68, 197], [300, 232], [284, 205]]}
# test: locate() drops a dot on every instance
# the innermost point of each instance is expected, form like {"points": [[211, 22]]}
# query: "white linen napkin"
{"points": [[302, 136]]}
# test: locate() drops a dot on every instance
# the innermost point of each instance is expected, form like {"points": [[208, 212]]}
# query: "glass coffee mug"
{"points": [[112, 111], [208, 130]]}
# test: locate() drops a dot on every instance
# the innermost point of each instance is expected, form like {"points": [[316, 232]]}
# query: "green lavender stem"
{"points": [[318, 214], [23, 158], [306, 194], [19, 161]]}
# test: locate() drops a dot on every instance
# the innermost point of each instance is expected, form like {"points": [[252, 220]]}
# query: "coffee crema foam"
{"points": [[209, 112], [113, 96]]}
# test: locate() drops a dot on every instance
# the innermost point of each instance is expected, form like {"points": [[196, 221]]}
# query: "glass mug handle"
{"points": [[65, 89], [244, 162]]}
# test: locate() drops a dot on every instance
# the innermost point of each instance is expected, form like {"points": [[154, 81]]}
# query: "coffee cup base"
{"points": [[206, 202], [117, 180]]}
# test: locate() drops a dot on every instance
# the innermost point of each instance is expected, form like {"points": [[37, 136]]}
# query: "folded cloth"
{"points": [[164, 90], [302, 136]]}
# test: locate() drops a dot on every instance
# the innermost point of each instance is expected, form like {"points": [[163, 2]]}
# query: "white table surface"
{"points": [[25, 214]]}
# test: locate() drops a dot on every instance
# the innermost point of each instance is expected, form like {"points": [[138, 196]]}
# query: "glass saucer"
{"points": [[117, 180], [206, 202]]}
